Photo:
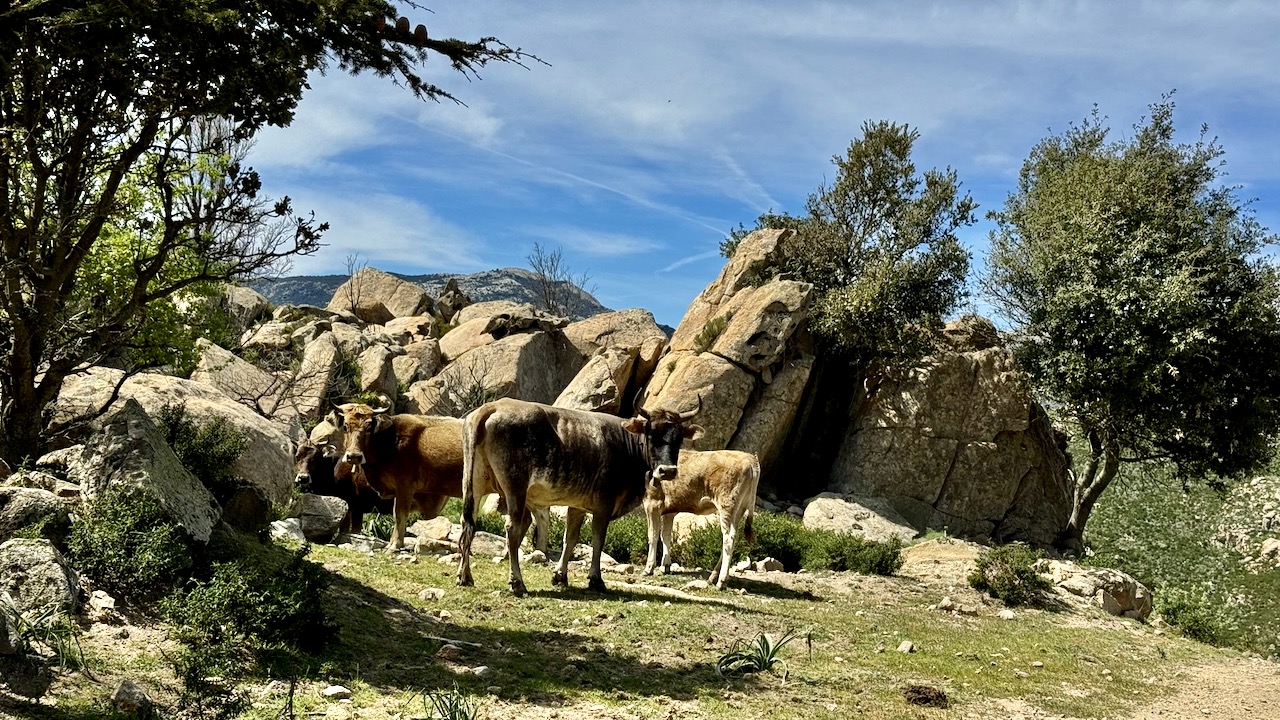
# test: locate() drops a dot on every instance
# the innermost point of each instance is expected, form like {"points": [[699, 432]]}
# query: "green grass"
{"points": [[1148, 526]]}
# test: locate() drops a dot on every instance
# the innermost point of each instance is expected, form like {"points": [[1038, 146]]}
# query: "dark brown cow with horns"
{"points": [[538, 455]]}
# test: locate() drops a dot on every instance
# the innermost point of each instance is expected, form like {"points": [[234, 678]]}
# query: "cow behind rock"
{"points": [[719, 481], [538, 455], [318, 470]]}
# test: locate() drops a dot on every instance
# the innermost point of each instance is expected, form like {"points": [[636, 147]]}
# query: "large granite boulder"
{"points": [[958, 442], [375, 296], [128, 453], [532, 366], [683, 377], [25, 507], [35, 576], [267, 462], [601, 384], [871, 518]]}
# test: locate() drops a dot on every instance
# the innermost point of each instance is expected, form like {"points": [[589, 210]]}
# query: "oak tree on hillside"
{"points": [[880, 247], [1141, 302], [119, 184]]}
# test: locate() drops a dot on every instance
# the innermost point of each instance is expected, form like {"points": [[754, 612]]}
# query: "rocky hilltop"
{"points": [[513, 284]]}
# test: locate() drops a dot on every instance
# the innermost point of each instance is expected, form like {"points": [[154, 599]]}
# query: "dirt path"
{"points": [[1230, 690]]}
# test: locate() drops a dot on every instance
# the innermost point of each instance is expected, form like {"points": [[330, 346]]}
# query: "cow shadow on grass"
{"points": [[393, 645]]}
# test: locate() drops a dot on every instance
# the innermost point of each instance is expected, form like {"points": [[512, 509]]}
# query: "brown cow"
{"points": [[416, 459], [318, 470], [538, 455], [719, 481]]}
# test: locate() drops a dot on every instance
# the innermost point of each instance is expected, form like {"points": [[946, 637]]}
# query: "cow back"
{"points": [[415, 455]]}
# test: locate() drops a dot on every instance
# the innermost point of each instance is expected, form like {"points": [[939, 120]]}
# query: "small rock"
{"points": [[1037, 664], [742, 565], [131, 699], [537, 557], [946, 603], [450, 559], [493, 689], [1019, 673], [1005, 614], [431, 593], [696, 585], [906, 646], [449, 652], [336, 692], [769, 565], [482, 671]]}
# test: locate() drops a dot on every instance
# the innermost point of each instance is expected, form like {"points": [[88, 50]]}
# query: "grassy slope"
{"points": [[642, 654]]}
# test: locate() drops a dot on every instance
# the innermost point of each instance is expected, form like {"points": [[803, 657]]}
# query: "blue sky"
{"points": [[659, 126]]}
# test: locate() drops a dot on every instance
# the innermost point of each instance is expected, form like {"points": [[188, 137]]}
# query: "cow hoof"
{"points": [[648, 569], [560, 579], [518, 588], [596, 584]]}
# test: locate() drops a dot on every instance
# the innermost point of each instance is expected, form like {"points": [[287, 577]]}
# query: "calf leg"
{"points": [[668, 533], [600, 528], [653, 520], [729, 532], [572, 527]]}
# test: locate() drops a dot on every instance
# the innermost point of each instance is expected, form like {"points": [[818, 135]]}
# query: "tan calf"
{"points": [[719, 481]]}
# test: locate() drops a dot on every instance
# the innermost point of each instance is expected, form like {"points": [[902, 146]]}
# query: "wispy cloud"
{"points": [[593, 242]]}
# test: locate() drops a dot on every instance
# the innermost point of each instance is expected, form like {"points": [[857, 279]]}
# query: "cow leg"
{"points": [[518, 520], [653, 519], [600, 528], [572, 527], [729, 535], [668, 532], [354, 521], [541, 528], [430, 505], [400, 509]]}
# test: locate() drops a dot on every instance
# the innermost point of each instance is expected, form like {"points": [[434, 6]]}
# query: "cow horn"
{"points": [[642, 412], [686, 417]]}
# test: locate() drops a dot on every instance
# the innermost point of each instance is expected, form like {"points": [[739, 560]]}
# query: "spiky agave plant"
{"points": [[450, 705], [758, 655]]}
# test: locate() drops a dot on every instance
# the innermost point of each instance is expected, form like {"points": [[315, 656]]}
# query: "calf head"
{"points": [[360, 422], [311, 460], [664, 431]]}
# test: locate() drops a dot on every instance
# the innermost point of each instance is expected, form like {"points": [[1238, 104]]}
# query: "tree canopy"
{"points": [[880, 247], [120, 181], [1142, 299]]}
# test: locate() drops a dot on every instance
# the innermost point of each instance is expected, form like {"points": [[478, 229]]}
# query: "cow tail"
{"points": [[472, 434], [748, 531]]}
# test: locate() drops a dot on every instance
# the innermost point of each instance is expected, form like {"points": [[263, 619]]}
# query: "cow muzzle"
{"points": [[353, 458], [302, 481], [664, 472]]}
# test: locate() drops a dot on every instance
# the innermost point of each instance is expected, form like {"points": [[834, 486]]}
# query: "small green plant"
{"points": [[758, 655], [711, 332], [827, 550], [45, 626], [1011, 573], [128, 546], [786, 539], [1196, 615], [450, 705], [53, 526], [209, 451], [378, 525]]}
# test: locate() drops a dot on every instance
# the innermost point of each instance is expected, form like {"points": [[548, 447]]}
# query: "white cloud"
{"points": [[593, 242]]}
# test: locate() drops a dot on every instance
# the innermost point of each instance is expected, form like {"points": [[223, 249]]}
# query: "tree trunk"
{"points": [[1101, 469], [21, 426]]}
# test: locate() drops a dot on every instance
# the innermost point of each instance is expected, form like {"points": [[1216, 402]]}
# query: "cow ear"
{"points": [[329, 450], [692, 432], [338, 419], [634, 425], [381, 422]]}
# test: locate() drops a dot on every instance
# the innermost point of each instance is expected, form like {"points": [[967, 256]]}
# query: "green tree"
{"points": [[1142, 304], [880, 248], [119, 183]]}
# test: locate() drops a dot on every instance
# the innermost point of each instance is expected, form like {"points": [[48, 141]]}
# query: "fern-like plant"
{"points": [[758, 655]]}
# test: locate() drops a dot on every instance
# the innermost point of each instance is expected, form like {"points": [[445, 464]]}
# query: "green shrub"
{"points": [[46, 627], [785, 538], [627, 540], [1197, 615], [209, 451], [52, 526], [254, 613], [1011, 573], [711, 332], [128, 546], [827, 550]]}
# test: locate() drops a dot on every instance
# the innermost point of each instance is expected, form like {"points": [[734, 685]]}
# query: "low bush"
{"points": [[1011, 573], [128, 546], [209, 451], [254, 613], [786, 539], [1197, 615]]}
